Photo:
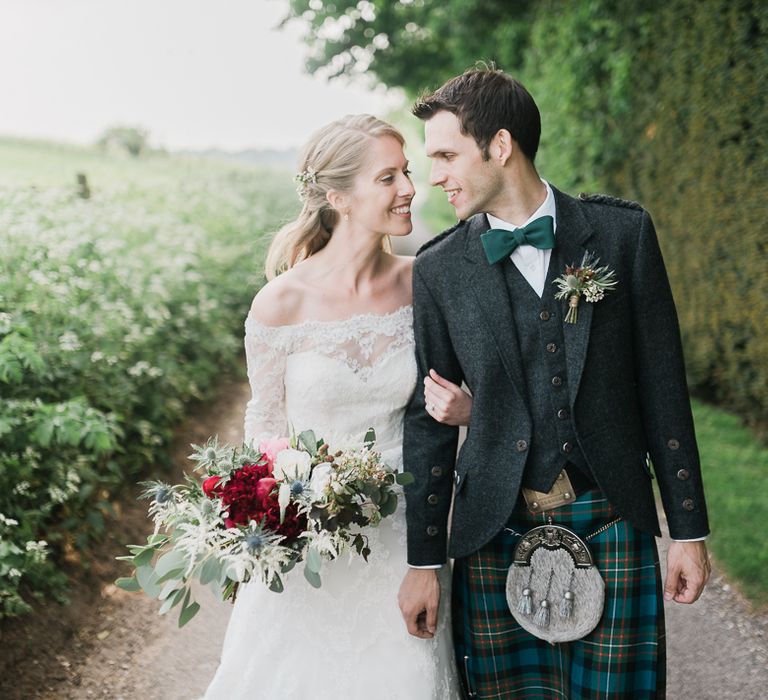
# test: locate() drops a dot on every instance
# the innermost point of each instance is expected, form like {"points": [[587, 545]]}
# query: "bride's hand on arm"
{"points": [[445, 401]]}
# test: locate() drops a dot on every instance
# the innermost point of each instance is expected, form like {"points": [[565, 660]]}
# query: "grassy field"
{"points": [[734, 464]]}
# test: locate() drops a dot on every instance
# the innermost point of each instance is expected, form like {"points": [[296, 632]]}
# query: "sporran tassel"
{"points": [[541, 619], [525, 602], [542, 614], [566, 605]]}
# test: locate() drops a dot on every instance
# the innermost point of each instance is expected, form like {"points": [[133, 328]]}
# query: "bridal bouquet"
{"points": [[255, 514]]}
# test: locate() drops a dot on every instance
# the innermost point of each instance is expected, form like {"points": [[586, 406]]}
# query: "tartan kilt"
{"points": [[624, 657]]}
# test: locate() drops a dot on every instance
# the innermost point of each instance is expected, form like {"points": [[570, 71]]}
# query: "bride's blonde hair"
{"points": [[331, 159]]}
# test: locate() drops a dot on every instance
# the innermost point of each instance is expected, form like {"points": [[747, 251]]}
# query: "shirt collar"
{"points": [[547, 208]]}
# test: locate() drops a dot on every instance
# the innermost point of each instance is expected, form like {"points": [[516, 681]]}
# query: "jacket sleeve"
{"points": [[429, 447], [663, 391]]}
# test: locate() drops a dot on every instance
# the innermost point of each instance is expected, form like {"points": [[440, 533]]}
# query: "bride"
{"points": [[329, 345]]}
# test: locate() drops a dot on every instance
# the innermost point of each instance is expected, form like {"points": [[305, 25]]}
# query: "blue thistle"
{"points": [[162, 494], [254, 541], [297, 488]]}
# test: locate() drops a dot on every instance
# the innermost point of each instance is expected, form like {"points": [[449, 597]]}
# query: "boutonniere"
{"points": [[587, 280]]}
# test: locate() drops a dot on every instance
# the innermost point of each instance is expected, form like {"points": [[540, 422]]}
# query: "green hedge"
{"points": [[666, 105], [697, 159], [115, 312]]}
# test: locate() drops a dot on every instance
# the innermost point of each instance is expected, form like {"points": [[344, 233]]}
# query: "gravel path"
{"points": [[718, 649]]}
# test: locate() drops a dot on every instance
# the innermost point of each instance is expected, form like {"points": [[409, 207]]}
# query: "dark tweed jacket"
{"points": [[628, 393]]}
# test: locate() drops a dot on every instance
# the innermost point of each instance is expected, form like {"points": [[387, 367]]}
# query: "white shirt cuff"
{"points": [[693, 539], [426, 566]]}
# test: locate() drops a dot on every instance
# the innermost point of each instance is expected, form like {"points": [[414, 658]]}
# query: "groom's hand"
{"points": [[419, 598], [688, 571]]}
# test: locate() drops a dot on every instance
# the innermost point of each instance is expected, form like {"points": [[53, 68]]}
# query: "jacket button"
{"points": [[683, 474], [688, 504], [557, 381], [673, 444], [544, 315], [563, 413], [437, 471], [432, 530], [432, 499], [551, 347], [567, 447], [521, 445]]}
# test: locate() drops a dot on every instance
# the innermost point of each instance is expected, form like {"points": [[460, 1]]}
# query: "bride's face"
{"points": [[381, 198]]}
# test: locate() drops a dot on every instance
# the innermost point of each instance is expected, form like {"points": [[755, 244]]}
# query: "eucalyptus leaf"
{"points": [[276, 585], [388, 505], [157, 539], [170, 561], [314, 561], [217, 589], [309, 441], [171, 601], [312, 576], [211, 570], [128, 584], [147, 579], [144, 557], [370, 438], [188, 613], [168, 588], [404, 478], [168, 575]]}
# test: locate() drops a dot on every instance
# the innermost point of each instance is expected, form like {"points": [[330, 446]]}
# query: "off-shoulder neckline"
{"points": [[372, 315]]}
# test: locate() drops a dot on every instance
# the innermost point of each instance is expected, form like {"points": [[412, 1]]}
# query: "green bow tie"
{"points": [[499, 243]]}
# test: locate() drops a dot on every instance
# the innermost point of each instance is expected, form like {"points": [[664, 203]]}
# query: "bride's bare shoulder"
{"points": [[279, 301]]}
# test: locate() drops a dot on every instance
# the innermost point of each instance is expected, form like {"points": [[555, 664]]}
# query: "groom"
{"points": [[564, 414]]}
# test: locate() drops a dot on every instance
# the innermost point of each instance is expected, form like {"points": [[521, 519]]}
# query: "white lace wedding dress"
{"points": [[346, 640]]}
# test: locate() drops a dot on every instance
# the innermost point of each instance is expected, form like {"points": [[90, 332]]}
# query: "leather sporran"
{"points": [[554, 589]]}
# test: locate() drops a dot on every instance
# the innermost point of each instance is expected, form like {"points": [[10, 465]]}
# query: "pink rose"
{"points": [[269, 449]]}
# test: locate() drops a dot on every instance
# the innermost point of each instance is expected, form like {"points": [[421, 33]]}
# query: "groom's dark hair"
{"points": [[485, 100]]}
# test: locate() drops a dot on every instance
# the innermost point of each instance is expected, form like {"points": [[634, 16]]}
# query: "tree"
{"points": [[412, 44], [133, 140]]}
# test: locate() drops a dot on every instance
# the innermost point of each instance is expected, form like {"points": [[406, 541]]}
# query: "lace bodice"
{"points": [[338, 378]]}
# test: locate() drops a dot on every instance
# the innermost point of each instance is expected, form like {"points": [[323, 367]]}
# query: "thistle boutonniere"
{"points": [[587, 280]]}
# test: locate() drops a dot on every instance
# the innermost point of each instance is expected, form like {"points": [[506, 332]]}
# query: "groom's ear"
{"points": [[501, 146]]}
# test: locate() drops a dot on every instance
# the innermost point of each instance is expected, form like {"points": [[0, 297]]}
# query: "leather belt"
{"points": [[569, 485]]}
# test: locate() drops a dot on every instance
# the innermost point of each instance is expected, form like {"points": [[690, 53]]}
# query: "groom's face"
{"points": [[470, 182]]}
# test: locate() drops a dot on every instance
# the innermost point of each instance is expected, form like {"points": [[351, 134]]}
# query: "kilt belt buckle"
{"points": [[562, 493]]}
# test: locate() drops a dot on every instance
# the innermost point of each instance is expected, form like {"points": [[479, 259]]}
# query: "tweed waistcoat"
{"points": [[538, 324]]}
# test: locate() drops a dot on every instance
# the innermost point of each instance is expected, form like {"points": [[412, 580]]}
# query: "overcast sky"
{"points": [[196, 73]]}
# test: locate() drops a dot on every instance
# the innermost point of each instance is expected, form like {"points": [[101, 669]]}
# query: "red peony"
{"points": [[209, 486], [250, 494]]}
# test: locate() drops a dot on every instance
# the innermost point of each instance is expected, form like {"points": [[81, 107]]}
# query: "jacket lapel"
{"points": [[493, 303], [572, 233]]}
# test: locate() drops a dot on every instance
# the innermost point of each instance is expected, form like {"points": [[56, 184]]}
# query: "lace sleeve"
{"points": [[266, 349]]}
